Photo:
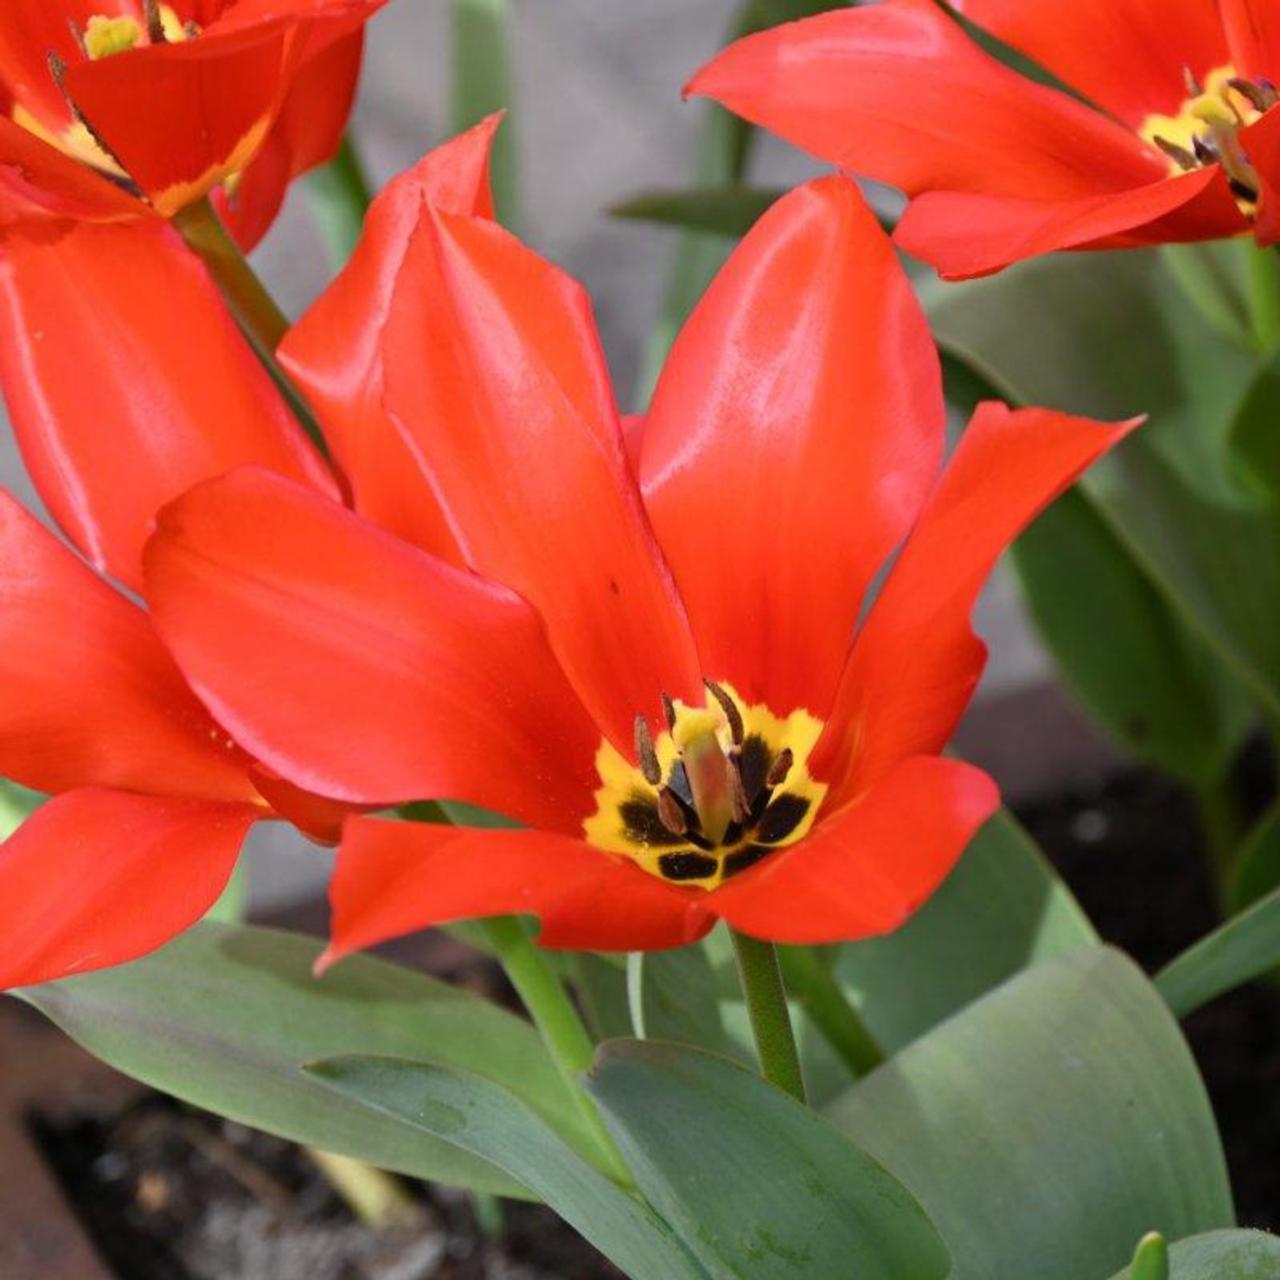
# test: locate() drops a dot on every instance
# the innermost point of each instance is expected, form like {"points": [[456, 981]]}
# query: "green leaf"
{"points": [[1212, 278], [476, 1115], [726, 211], [1246, 947], [1122, 649], [1048, 1126], [757, 1185], [1220, 1255], [1111, 335], [16, 803], [1257, 868], [1254, 435], [224, 1017], [1001, 910], [1150, 1259], [338, 196]]}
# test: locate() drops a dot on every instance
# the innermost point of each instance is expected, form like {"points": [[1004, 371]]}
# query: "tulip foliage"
{"points": [[653, 707]]}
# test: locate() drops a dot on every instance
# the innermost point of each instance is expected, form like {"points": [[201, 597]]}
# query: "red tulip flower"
{"points": [[1181, 142], [660, 672], [123, 108]]}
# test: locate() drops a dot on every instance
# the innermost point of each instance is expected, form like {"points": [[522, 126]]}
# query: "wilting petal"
{"points": [[127, 381], [394, 878], [916, 660], [866, 869], [897, 91], [793, 436], [964, 234], [94, 878], [1128, 56], [334, 351], [39, 183], [495, 373], [359, 667], [1253, 33], [87, 695]]}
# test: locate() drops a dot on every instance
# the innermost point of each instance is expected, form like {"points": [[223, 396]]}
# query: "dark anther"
{"points": [[671, 813], [78, 36], [645, 753], [1194, 87], [738, 794], [730, 709], [1242, 191], [743, 859], [1261, 96], [780, 768], [781, 818], [669, 711], [686, 866], [155, 24], [1206, 153], [1179, 155]]}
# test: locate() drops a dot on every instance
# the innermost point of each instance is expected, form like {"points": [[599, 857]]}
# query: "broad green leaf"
{"points": [[1050, 1125], [476, 1115], [1111, 335], [1257, 867], [725, 211], [1254, 439], [224, 1017], [338, 196], [1150, 1258], [1212, 278], [1122, 649], [1246, 947], [1001, 910], [758, 1186], [1220, 1255]]}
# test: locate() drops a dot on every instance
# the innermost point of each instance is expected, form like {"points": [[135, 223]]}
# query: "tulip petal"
{"points": [[1261, 142], [963, 234], [898, 92], [1253, 33], [868, 868], [95, 878], [127, 381], [334, 352], [793, 436], [30, 32], [357, 666], [916, 661], [495, 374], [1130, 57], [88, 697], [394, 878]]}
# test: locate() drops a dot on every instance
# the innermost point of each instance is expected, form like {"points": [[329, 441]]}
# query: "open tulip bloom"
{"points": [[647, 651], [1170, 133], [126, 109]]}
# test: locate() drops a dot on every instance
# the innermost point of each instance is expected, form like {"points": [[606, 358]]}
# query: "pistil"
{"points": [[711, 776]]}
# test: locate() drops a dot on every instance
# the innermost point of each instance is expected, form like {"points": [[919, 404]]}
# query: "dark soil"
{"points": [[168, 1193]]}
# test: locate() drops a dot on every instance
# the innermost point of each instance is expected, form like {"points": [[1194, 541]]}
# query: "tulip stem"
{"points": [[1264, 294], [557, 1020], [822, 998], [761, 978], [338, 196], [248, 300]]}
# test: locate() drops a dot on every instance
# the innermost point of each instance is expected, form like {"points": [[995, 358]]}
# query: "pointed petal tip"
{"points": [[327, 959]]}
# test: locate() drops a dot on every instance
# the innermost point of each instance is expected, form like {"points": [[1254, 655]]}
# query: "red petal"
{"points": [[1128, 56], [898, 92], [1253, 32], [359, 667], [495, 373], [30, 32], [1261, 142], [394, 878], [334, 351], [315, 816], [868, 868], [916, 661], [792, 438], [87, 695], [94, 878], [127, 381], [965, 234], [39, 183]]}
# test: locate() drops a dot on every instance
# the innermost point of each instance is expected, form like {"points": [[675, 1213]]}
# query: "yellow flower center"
{"points": [[723, 787], [104, 37], [1205, 130]]}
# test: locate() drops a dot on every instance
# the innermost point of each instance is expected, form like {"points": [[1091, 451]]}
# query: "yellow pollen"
{"points": [[712, 813], [174, 30], [105, 37]]}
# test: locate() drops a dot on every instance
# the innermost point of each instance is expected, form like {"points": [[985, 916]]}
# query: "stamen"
{"points": [[669, 711], [780, 768], [1194, 87], [738, 797], [155, 23], [77, 34], [670, 814], [646, 754], [730, 709], [1261, 96], [1206, 153]]}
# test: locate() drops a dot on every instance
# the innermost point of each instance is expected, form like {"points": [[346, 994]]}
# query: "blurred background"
{"points": [[596, 117]]}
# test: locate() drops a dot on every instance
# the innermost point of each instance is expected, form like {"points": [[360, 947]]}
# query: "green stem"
{"points": [[1222, 826], [823, 999], [338, 194], [248, 300], [761, 979], [1264, 294], [557, 1020]]}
